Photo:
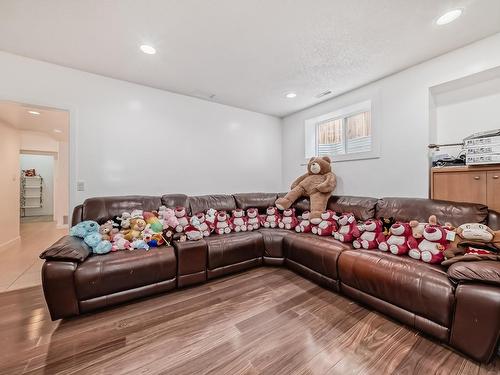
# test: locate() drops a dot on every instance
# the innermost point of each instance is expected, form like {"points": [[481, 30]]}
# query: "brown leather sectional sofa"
{"points": [[459, 306]]}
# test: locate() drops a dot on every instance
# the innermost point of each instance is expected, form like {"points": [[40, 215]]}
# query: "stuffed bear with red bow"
{"points": [[272, 218], [182, 218], [434, 241], [348, 229], [304, 225], [253, 219], [397, 242], [222, 224], [327, 225], [372, 236], [288, 219], [238, 220]]}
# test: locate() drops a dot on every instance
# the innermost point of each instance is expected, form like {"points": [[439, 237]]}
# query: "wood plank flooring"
{"points": [[264, 321]]}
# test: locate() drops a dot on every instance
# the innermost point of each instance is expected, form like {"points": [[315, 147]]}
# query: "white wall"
{"points": [[130, 139], [61, 185], [38, 142], [44, 166], [9, 183], [402, 120]]}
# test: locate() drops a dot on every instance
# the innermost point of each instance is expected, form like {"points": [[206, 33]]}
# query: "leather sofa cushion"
{"points": [[204, 202], [101, 275], [67, 248], [228, 249], [273, 241], [484, 271], [105, 208], [406, 209], [410, 284], [175, 200], [317, 253], [77, 215], [256, 200], [494, 219]]}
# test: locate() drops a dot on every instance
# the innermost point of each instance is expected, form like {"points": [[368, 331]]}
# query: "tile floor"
{"points": [[19, 263]]}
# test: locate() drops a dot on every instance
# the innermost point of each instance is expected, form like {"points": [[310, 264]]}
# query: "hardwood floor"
{"points": [[264, 321]]}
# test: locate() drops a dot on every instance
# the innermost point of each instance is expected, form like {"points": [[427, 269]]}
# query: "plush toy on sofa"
{"points": [[89, 231], [120, 243], [318, 184], [153, 221], [288, 219], [400, 235], [348, 229], [371, 237], [304, 225], [169, 220], [238, 221], [327, 225], [221, 224], [137, 225], [108, 230], [433, 243], [202, 225], [253, 219], [271, 218], [182, 217], [192, 230]]}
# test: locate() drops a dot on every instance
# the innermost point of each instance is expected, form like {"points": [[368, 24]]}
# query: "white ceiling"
{"points": [[248, 53], [17, 115]]}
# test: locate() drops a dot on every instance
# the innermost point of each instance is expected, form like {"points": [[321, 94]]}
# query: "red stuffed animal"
{"points": [[433, 243], [272, 217], [327, 224], [182, 218], [238, 220], [348, 228], [288, 220], [400, 235], [372, 236], [203, 227], [304, 225], [253, 220], [221, 223]]}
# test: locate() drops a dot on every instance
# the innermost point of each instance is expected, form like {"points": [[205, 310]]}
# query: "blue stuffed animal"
{"points": [[89, 231]]}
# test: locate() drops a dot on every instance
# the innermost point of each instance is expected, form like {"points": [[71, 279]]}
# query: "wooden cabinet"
{"points": [[467, 184]]}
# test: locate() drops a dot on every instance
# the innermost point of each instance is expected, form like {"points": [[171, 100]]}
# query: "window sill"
{"points": [[351, 157]]}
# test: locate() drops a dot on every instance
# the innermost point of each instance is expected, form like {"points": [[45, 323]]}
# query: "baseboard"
{"points": [[5, 244], [62, 226]]}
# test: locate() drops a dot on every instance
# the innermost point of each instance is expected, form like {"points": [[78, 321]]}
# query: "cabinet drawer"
{"points": [[464, 186]]}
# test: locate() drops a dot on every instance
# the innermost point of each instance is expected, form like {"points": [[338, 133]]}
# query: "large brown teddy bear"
{"points": [[317, 184]]}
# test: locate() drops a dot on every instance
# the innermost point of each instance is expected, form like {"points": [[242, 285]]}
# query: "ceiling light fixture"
{"points": [[58, 131], [149, 50], [448, 17], [34, 113], [290, 95]]}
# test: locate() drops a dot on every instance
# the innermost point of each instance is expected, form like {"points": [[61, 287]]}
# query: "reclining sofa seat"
{"points": [[417, 294]]}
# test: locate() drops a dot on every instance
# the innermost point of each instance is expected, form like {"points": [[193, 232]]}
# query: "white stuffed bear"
{"points": [[182, 217], [253, 220], [272, 217]]}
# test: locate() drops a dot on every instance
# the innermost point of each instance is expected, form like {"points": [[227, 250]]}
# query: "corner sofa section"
{"points": [[461, 312]]}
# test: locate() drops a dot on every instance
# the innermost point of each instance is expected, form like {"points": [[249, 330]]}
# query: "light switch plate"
{"points": [[80, 186]]}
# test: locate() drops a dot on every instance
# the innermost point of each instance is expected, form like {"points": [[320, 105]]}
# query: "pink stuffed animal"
{"points": [[253, 220], [182, 217], [202, 225], [433, 243], [304, 225], [288, 219], [400, 234], [272, 217], [327, 224], [120, 243], [238, 221], [221, 224], [371, 237], [348, 229]]}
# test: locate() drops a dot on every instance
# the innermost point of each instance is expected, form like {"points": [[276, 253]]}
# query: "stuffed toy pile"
{"points": [[429, 242]]}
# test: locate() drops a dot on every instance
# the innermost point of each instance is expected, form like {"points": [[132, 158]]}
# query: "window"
{"points": [[345, 134]]}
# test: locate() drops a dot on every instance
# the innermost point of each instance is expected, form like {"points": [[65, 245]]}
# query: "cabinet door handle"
{"points": [[476, 177], [495, 177]]}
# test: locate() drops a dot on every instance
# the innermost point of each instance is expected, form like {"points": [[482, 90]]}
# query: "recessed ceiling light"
{"points": [[34, 113], [57, 131], [290, 95], [150, 50], [448, 17]]}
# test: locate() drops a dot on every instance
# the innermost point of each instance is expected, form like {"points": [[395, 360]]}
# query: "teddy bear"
{"points": [[327, 225], [431, 246], [120, 243], [221, 224], [371, 237], [108, 230], [89, 231], [318, 184], [137, 225], [192, 230], [201, 224], [288, 219], [400, 234], [169, 221], [348, 229], [386, 225], [210, 216], [271, 218], [253, 220], [304, 225], [473, 242], [238, 220], [182, 217], [124, 220]]}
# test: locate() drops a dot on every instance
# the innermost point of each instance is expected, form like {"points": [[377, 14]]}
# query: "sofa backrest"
{"points": [[176, 200], [221, 202], [255, 200], [101, 209], [456, 213]]}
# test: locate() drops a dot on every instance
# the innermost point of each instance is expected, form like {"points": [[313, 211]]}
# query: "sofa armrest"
{"points": [[485, 271], [494, 219], [67, 248], [59, 289]]}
